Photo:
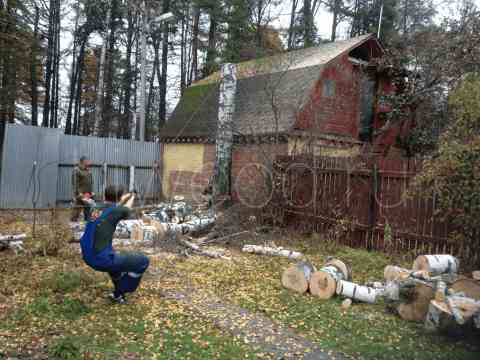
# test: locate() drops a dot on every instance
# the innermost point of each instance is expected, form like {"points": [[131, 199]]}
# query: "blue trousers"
{"points": [[126, 272]]}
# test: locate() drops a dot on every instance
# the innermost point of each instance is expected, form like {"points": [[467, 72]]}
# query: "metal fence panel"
{"points": [[22, 183], [56, 154], [147, 183], [72, 148], [64, 187]]}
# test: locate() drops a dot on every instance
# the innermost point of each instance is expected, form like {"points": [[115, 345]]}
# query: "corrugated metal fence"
{"points": [[38, 162]]}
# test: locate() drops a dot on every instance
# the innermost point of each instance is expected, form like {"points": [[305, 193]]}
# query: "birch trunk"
{"points": [[101, 73], [265, 250]]}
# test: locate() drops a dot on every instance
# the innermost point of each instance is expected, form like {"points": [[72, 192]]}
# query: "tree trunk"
{"points": [[269, 251], [101, 74], [291, 29], [297, 277], [308, 23], [56, 68], [212, 43], [78, 89], [163, 83], [124, 129], [33, 69], [336, 10], [49, 65], [195, 34], [183, 54], [109, 71], [149, 130]]}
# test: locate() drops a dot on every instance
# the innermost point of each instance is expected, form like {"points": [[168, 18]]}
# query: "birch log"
{"points": [[395, 273], [436, 264], [200, 251], [323, 283], [166, 230], [265, 250], [469, 287], [297, 277], [417, 308], [357, 292], [14, 242]]}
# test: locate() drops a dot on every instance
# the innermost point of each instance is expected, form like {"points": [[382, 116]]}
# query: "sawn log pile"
{"points": [[432, 291]]}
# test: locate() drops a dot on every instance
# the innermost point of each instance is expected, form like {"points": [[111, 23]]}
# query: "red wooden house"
{"points": [[323, 100]]}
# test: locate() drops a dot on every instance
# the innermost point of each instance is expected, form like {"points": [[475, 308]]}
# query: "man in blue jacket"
{"points": [[125, 269]]}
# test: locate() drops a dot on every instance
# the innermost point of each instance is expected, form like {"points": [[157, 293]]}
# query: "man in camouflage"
{"points": [[82, 184]]}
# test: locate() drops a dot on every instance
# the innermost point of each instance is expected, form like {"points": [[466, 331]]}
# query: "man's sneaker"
{"points": [[117, 299]]}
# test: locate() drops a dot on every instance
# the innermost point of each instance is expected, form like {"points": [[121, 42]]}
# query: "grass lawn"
{"points": [[55, 307], [58, 310]]}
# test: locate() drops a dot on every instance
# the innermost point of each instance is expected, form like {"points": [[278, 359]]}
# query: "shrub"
{"points": [[454, 173]]}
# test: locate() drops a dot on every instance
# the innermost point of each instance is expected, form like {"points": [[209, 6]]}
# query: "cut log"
{"points": [[440, 291], [436, 264], [476, 275], [194, 226], [9, 238], [323, 283], [439, 318], [356, 292], [417, 308], [265, 250], [297, 277], [469, 287], [340, 265], [395, 273]]}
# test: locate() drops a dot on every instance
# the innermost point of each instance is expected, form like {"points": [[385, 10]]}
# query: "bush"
{"points": [[454, 173]]}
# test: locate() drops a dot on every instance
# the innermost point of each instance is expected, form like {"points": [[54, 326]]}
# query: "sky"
{"points": [[281, 15]]}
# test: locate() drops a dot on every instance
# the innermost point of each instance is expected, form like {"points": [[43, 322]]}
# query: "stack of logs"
{"points": [[432, 291]]}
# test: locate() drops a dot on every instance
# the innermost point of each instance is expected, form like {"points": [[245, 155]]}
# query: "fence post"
{"points": [[131, 179], [105, 173], [373, 205]]}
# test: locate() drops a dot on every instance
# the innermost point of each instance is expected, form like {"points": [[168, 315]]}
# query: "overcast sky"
{"points": [[323, 21]]}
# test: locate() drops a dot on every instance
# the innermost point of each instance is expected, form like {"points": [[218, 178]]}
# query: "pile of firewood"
{"points": [[432, 291]]}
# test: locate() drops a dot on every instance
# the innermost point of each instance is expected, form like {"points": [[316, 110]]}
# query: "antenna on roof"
{"points": [[380, 21]]}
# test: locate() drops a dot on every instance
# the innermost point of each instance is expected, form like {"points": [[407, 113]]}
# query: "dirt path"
{"points": [[254, 329]]}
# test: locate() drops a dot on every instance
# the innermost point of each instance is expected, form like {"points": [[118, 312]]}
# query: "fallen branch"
{"points": [[197, 249], [265, 250], [223, 239]]}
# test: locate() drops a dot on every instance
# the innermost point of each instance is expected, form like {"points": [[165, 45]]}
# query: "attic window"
{"points": [[329, 88]]}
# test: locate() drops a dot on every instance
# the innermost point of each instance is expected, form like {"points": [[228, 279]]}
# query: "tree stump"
{"points": [[297, 277]]}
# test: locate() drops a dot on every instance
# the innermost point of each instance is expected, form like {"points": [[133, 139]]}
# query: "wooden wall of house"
{"points": [[334, 106], [188, 168]]}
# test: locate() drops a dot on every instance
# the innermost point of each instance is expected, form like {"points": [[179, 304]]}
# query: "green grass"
{"points": [[66, 316], [364, 331]]}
